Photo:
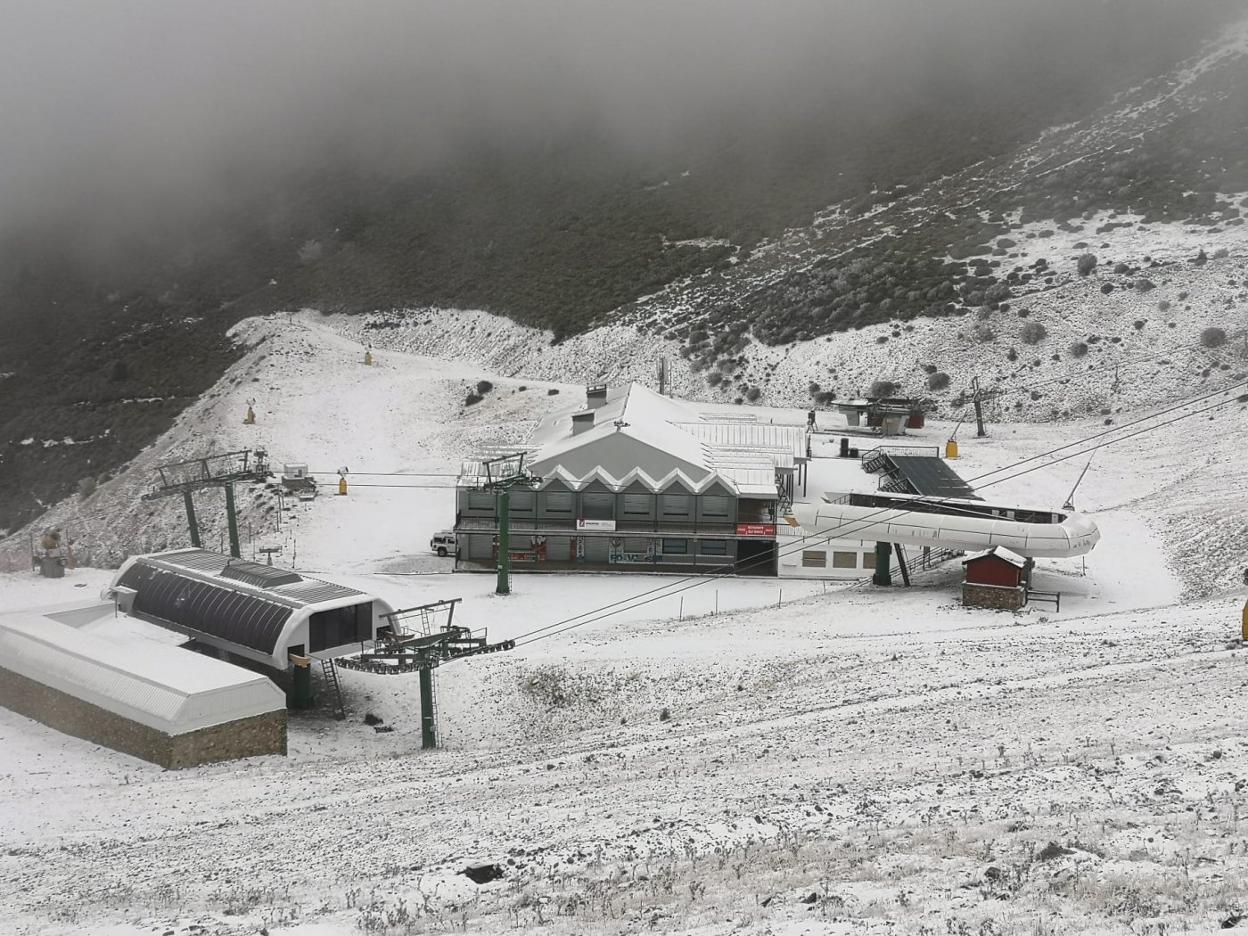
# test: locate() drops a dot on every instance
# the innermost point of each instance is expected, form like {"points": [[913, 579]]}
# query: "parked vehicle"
{"points": [[443, 543]]}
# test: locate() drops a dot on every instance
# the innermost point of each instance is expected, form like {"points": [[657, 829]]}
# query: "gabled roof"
{"points": [[999, 552]]}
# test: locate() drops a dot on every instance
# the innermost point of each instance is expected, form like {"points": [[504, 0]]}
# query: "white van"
{"points": [[443, 543]]}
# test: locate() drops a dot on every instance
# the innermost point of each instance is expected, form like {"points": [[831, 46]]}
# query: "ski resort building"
{"points": [[636, 481], [260, 613], [139, 696]]}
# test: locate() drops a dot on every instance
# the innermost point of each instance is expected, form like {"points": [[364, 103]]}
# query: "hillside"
{"points": [[707, 239], [745, 756]]}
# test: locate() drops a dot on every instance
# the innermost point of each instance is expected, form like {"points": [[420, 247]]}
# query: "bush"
{"points": [[938, 381], [1213, 337], [1086, 264], [1079, 349], [484, 387], [1033, 333], [553, 391], [1144, 285], [753, 394], [473, 398], [882, 388]]}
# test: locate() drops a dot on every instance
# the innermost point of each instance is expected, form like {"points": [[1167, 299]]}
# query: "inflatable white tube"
{"points": [[1075, 535]]}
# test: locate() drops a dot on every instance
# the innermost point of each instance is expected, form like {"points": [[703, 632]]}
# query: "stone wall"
{"points": [[999, 597], [248, 737]]}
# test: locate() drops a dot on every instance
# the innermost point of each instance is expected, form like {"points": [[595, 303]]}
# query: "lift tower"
{"points": [[501, 476], [211, 471]]}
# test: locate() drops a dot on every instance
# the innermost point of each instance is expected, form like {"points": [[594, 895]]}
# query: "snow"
{"points": [[904, 759]]}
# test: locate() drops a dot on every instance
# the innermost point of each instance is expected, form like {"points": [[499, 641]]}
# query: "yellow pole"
{"points": [[951, 449], [1243, 632], [342, 486]]}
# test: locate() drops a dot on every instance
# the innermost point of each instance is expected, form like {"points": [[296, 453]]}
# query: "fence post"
{"points": [[681, 613]]}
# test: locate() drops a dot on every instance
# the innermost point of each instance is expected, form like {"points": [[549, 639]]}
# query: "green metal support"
{"points": [[231, 519], [191, 522], [428, 718], [300, 695], [883, 562], [503, 502]]}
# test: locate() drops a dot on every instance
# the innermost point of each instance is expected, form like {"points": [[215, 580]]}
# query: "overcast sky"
{"points": [[106, 104]]}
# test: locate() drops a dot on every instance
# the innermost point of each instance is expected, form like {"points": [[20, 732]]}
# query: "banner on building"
{"points": [[606, 526], [756, 529]]}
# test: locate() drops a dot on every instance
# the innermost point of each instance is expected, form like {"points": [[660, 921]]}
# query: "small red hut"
{"points": [[996, 578]]}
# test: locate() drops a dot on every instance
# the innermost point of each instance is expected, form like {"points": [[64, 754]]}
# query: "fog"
{"points": [[116, 111]]}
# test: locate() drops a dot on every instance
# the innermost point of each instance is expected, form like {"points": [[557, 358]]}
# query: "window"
{"points": [[558, 502], [523, 502], [480, 500], [814, 559], [674, 505], [598, 505], [675, 547], [868, 560], [714, 547], [844, 560], [637, 505], [716, 508]]}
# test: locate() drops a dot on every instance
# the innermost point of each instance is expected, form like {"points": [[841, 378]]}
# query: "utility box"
{"points": [[996, 578]]}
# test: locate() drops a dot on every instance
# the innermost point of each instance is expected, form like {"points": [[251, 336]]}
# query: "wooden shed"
{"points": [[996, 578]]}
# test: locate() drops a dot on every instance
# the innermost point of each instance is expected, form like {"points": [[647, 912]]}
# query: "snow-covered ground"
{"points": [[836, 761]]}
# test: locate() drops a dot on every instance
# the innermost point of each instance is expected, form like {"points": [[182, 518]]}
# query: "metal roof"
{"points": [[192, 590]]}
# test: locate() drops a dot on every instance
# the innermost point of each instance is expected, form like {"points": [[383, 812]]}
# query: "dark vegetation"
{"points": [[563, 232]]}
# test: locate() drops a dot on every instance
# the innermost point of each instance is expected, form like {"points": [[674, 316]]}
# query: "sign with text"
{"points": [[604, 525], [756, 529]]}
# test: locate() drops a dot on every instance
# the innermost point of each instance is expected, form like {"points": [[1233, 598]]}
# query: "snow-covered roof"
{"points": [[1000, 552], [172, 690], [641, 436]]}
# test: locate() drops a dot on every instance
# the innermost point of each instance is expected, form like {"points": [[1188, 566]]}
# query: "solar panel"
{"points": [[261, 576], [932, 477]]}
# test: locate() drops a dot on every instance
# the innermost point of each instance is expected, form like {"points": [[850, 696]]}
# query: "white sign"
{"points": [[607, 525]]}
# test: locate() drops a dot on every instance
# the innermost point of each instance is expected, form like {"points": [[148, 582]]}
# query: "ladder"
{"points": [[330, 672]]}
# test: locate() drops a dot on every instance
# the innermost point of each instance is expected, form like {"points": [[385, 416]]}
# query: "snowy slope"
{"points": [[906, 761]]}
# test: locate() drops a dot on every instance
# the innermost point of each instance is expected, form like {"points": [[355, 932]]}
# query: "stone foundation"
{"points": [[999, 597], [247, 737]]}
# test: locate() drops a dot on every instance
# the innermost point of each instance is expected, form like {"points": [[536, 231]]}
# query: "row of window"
{"points": [[680, 547], [601, 505], [818, 559]]}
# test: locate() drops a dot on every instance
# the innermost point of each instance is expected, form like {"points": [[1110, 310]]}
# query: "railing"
{"points": [[1053, 598]]}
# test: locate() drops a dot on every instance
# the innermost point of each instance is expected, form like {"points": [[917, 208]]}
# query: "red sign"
{"points": [[756, 529]]}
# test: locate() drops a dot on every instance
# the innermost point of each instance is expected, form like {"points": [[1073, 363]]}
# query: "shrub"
{"points": [[882, 388], [1079, 349], [1107, 288], [937, 381], [1033, 333], [473, 398], [714, 378], [1144, 285], [753, 394], [553, 391], [984, 333], [1086, 264], [1213, 337]]}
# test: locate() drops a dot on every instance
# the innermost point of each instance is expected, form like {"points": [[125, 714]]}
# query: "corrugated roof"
{"points": [[171, 690], [930, 476]]}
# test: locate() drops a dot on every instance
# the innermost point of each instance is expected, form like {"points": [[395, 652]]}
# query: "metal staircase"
{"points": [[330, 672]]}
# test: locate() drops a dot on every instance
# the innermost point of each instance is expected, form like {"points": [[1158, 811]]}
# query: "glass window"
{"points": [[558, 501], [675, 546], [480, 500], [523, 502], [868, 560], [714, 547], [637, 505], [814, 559], [674, 505], [716, 508], [844, 560]]}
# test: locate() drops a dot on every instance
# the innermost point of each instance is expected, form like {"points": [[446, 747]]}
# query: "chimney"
{"points": [[582, 421], [595, 396]]}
